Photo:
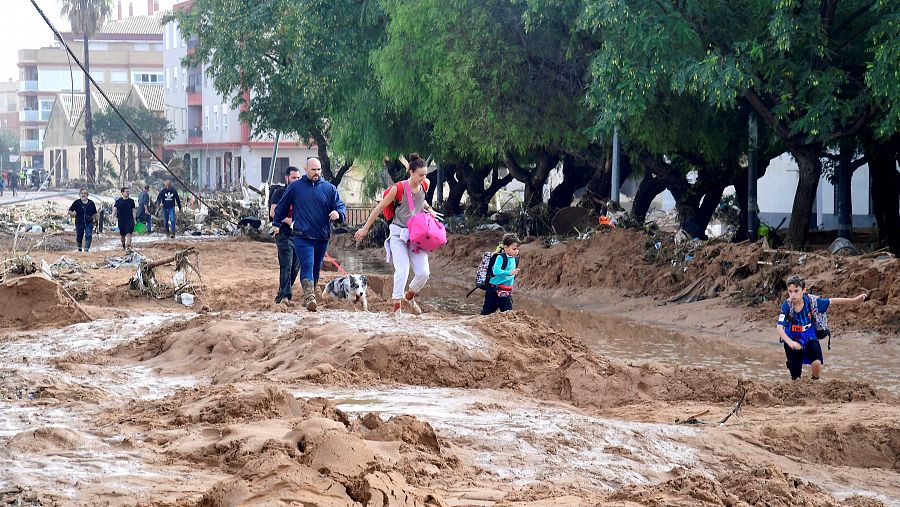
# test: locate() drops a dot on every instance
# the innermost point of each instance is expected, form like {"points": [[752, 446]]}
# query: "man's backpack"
{"points": [[389, 211]]}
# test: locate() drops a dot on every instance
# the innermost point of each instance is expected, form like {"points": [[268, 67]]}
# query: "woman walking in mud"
{"points": [[399, 251]]}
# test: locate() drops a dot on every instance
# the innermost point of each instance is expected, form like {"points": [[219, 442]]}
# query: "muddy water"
{"points": [[26, 369], [854, 356], [522, 441]]}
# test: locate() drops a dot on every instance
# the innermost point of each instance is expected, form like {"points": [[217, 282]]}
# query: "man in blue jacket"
{"points": [[316, 203]]}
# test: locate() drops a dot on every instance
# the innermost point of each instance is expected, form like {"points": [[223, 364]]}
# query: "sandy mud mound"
{"points": [[228, 404], [502, 351], [873, 442], [276, 447], [35, 301], [754, 486], [50, 439]]}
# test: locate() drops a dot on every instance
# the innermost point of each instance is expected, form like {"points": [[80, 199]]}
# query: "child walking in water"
{"points": [[501, 276], [802, 323]]}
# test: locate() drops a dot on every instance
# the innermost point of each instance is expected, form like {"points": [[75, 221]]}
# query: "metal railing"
{"points": [[357, 215], [30, 145]]}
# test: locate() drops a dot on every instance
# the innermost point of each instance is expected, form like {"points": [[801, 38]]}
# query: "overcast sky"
{"points": [[21, 27]]}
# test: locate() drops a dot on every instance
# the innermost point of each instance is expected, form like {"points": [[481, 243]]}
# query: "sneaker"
{"points": [[311, 304], [278, 298], [397, 308], [416, 309]]}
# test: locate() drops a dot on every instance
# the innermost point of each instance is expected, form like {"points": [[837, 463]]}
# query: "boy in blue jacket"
{"points": [[504, 268], [316, 203], [802, 323]]}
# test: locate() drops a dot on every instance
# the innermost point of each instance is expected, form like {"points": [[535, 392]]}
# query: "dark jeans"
{"points": [[288, 265], [310, 252], [169, 218], [493, 302], [84, 231]]}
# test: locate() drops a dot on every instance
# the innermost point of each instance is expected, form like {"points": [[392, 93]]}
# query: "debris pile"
{"points": [[146, 283]]}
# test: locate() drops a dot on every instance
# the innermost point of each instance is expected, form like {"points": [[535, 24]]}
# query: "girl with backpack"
{"points": [[501, 276], [401, 253], [803, 321]]}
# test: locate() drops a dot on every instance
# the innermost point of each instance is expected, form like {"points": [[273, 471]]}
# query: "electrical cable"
{"points": [[119, 114]]}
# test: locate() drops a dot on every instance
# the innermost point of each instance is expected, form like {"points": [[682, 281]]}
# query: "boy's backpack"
{"points": [[389, 211], [819, 320], [486, 269]]}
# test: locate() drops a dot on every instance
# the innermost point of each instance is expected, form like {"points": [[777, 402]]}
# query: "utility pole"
{"points": [[614, 190], [752, 178]]}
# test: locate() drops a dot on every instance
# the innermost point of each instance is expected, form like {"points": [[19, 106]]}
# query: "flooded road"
{"points": [[524, 441]]}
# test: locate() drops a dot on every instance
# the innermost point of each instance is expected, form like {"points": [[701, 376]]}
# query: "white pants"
{"points": [[402, 256]]}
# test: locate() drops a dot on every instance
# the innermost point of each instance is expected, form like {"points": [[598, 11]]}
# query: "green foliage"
{"points": [[487, 76], [110, 129], [86, 16]]}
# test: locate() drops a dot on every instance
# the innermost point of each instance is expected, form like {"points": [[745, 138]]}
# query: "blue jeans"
{"points": [[169, 218], [84, 231], [310, 252], [288, 265]]}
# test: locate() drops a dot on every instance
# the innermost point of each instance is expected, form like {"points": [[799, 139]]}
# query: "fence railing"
{"points": [[357, 215]]}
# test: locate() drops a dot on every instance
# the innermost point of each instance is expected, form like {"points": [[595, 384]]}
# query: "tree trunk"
{"points": [[885, 193], [810, 170], [479, 196], [575, 176], [453, 206], [650, 187], [535, 179], [740, 192], [90, 165]]}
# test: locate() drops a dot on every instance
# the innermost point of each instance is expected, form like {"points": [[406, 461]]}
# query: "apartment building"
{"points": [[214, 146], [125, 52], [9, 109]]}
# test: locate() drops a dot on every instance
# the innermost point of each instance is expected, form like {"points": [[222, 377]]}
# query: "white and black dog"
{"points": [[350, 287]]}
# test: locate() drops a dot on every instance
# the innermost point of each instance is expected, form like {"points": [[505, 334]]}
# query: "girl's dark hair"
{"points": [[796, 280], [508, 239], [415, 162], [511, 239]]}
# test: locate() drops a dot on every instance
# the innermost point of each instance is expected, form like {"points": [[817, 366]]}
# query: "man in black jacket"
{"points": [[169, 199], [85, 212], [288, 262]]}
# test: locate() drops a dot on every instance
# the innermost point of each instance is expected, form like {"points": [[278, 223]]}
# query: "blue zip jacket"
{"points": [[312, 203], [504, 276]]}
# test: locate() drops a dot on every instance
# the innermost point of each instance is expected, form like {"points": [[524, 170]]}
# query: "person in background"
{"points": [[169, 199], [288, 262], [125, 211], [143, 206], [85, 212]]}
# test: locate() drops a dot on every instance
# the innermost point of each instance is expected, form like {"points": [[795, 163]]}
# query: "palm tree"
{"points": [[87, 17]]}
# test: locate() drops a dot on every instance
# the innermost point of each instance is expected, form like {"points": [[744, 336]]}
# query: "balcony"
{"points": [[28, 86], [29, 115], [30, 145], [195, 135]]}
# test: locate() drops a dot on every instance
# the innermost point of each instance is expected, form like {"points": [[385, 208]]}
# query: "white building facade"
{"points": [[213, 145]]}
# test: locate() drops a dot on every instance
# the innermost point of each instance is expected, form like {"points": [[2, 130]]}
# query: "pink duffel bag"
{"points": [[425, 232]]}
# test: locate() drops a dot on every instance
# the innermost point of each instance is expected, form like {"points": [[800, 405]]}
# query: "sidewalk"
{"points": [[28, 195]]}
